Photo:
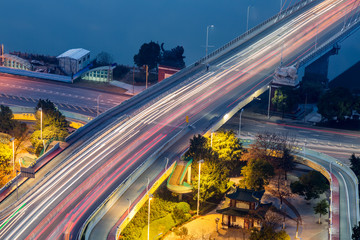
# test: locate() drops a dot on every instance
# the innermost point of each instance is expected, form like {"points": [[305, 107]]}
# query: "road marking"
{"points": [[82, 109], [75, 107], [12, 216], [89, 110]]}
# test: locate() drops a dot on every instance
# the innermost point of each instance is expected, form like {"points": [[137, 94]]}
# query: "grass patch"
{"points": [[162, 225]]}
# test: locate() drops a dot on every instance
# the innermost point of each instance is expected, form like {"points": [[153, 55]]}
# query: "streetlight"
{"points": [[13, 148], [198, 200], [247, 18], [207, 41], [268, 115], [41, 128], [240, 122], [98, 102], [150, 197]]}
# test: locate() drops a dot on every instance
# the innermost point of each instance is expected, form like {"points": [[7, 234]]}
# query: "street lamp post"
{"points": [[150, 197], [98, 103], [268, 115], [13, 150], [198, 199], [240, 122], [41, 127], [247, 18], [207, 40]]}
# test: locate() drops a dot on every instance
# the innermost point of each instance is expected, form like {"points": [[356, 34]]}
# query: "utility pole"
{"points": [[247, 18], [268, 115], [147, 75], [133, 80]]}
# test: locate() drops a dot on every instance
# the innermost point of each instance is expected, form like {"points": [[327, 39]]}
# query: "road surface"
{"points": [[57, 207]]}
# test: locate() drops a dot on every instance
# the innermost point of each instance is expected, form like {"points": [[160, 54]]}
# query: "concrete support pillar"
{"points": [[318, 70]]}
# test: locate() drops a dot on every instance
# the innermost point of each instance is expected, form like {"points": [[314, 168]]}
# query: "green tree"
{"points": [[214, 173], [311, 89], [286, 162], [103, 59], [355, 164], [310, 185], [199, 149], [321, 208], [268, 233], [6, 119], [5, 160], [356, 232], [54, 124], [257, 174], [149, 54], [214, 179], [173, 57], [279, 100], [336, 103], [227, 146]]}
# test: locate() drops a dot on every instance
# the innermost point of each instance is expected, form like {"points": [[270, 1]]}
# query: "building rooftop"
{"points": [[75, 53], [246, 195], [259, 213]]}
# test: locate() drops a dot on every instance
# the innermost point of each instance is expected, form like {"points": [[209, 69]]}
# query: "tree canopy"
{"points": [[321, 208], [268, 233], [103, 59], [257, 174], [214, 173], [54, 124], [227, 146], [6, 119], [173, 57], [356, 232], [336, 103], [149, 54], [310, 185]]}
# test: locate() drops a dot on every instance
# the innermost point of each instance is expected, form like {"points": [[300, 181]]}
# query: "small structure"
{"points": [[165, 72], [12, 61], [73, 60], [99, 74], [179, 180], [286, 76], [244, 209]]}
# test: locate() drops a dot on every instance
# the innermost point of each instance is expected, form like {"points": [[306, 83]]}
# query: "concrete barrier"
{"points": [[48, 76]]}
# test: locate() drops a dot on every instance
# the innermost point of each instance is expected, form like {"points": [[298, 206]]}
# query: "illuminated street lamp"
{"points": [[97, 109], [41, 127], [240, 122], [13, 157], [247, 18], [207, 40], [198, 199], [150, 198]]}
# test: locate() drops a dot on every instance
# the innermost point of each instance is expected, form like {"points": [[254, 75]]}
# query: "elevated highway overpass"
{"points": [[143, 127]]}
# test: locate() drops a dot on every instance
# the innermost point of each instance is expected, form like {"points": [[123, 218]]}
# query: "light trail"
{"points": [[148, 127]]}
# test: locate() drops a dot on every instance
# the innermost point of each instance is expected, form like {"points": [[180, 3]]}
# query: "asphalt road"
{"points": [[57, 207], [21, 91], [333, 142]]}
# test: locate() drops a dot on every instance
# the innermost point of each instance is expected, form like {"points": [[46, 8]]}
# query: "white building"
{"points": [[73, 60]]}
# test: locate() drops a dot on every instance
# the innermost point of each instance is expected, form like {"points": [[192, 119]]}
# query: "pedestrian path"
{"points": [[132, 90]]}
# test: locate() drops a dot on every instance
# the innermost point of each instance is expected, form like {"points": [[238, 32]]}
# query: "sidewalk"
{"points": [[130, 89]]}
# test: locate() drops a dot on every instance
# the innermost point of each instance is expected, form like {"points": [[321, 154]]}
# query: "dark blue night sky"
{"points": [[120, 27]]}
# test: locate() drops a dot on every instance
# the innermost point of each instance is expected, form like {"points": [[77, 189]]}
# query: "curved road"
{"points": [[57, 207]]}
